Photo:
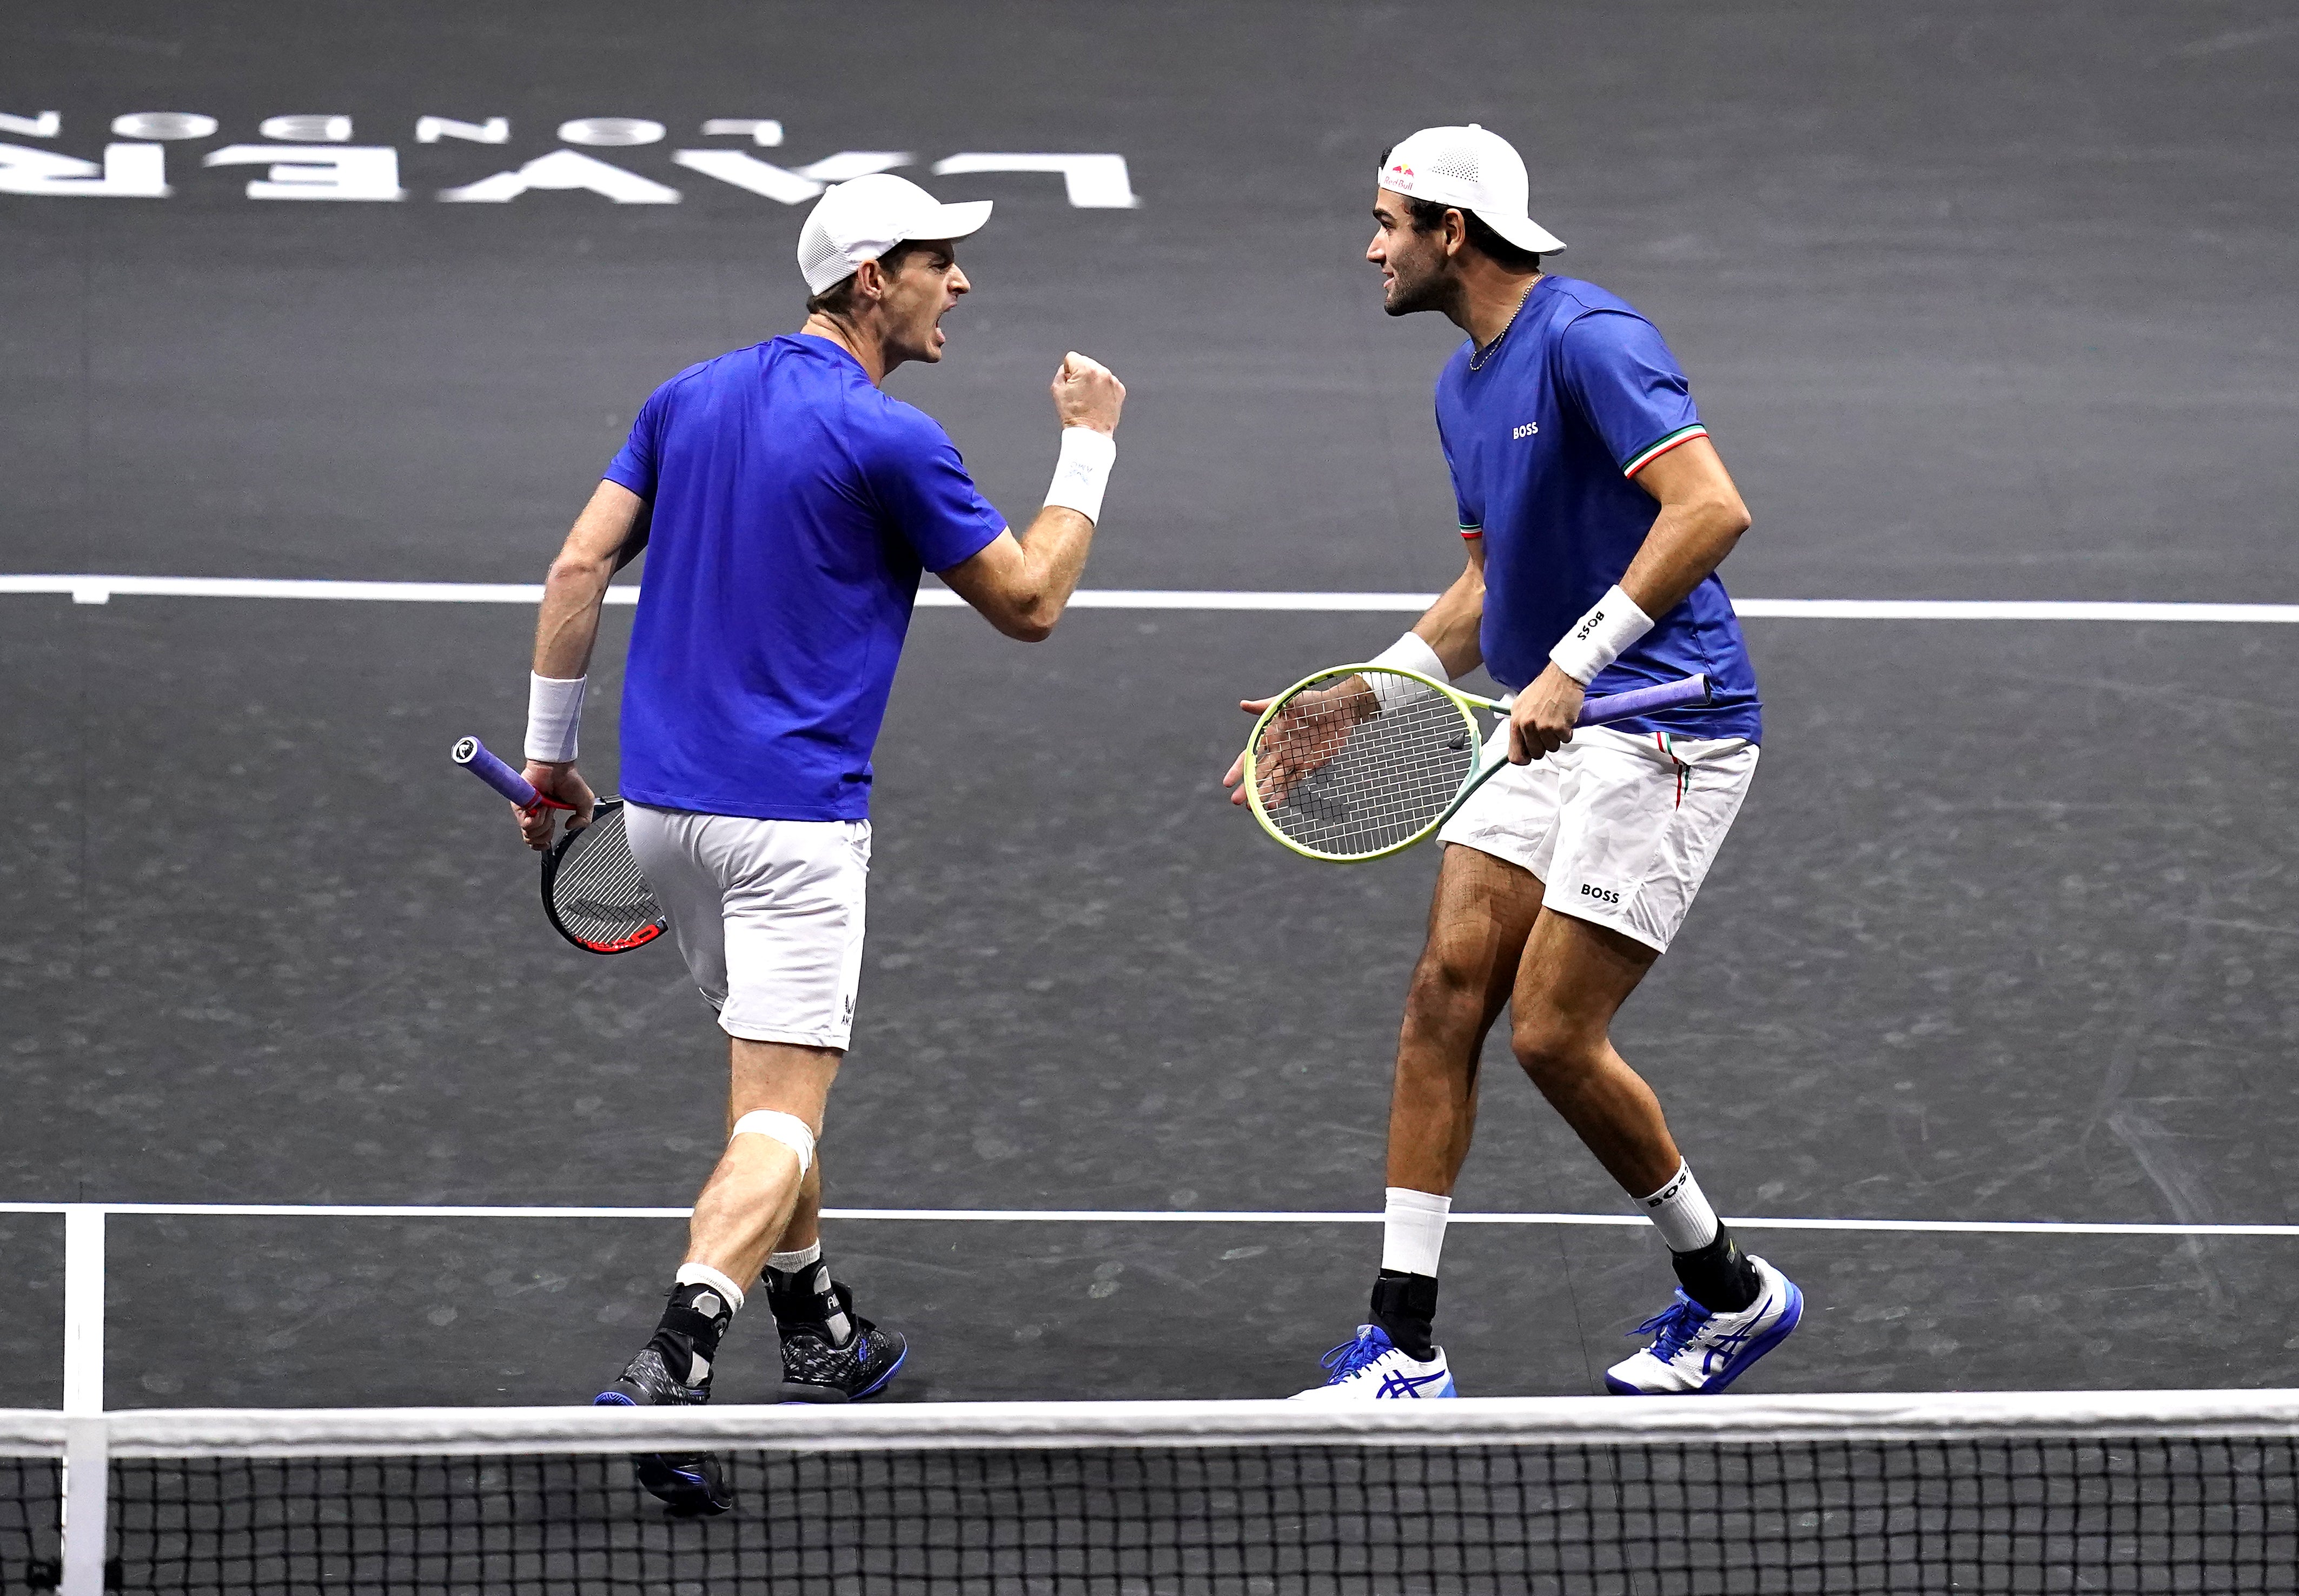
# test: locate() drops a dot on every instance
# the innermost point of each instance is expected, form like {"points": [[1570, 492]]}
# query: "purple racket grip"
{"points": [[1645, 701], [473, 756]]}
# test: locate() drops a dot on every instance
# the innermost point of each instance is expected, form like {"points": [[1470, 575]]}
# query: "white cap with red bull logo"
{"points": [[1474, 170]]}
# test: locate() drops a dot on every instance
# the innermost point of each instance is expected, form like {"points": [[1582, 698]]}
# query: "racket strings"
{"points": [[597, 889], [1356, 772]]}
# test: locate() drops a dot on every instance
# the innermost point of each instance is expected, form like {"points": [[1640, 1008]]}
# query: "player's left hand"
{"points": [[564, 783], [1541, 720], [1235, 779], [1307, 735]]}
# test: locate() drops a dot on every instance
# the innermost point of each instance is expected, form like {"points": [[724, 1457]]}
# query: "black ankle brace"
{"points": [[1719, 1277], [692, 1324], [1405, 1306], [802, 1295]]}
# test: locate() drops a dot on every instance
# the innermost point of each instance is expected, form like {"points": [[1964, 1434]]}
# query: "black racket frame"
{"points": [[558, 851]]}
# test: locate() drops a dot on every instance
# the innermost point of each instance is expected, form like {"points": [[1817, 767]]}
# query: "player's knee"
{"points": [[1445, 988], [788, 1129], [1550, 1047]]}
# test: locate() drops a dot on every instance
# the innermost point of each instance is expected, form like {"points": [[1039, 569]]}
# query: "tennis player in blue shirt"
{"points": [[1596, 512], [787, 507]]}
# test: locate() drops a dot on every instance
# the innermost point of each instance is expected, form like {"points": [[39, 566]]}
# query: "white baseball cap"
{"points": [[863, 218], [1474, 170]]}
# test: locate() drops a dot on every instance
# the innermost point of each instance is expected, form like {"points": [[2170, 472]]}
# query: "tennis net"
{"points": [[2169, 1491]]}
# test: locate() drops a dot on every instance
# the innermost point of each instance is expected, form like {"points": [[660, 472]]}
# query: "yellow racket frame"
{"points": [[1468, 704]]}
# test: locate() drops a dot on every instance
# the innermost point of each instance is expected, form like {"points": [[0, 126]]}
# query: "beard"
{"points": [[1409, 295]]}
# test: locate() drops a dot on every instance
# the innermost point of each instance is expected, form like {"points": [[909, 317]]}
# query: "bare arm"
{"points": [[1701, 518], [1021, 585], [612, 523], [606, 537], [1450, 624]]}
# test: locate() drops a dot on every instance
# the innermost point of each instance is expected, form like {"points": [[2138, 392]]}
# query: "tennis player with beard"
{"points": [[1596, 512], [787, 507]]}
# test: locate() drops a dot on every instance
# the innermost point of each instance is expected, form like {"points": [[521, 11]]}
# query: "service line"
{"points": [[1116, 1216], [100, 590]]}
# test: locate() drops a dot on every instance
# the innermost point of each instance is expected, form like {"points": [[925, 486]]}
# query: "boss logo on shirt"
{"points": [[1527, 430]]}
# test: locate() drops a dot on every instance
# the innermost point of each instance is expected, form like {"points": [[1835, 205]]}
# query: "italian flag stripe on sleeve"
{"points": [[1682, 434], [1473, 531]]}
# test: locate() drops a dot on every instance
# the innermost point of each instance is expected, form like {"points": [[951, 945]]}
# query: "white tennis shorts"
{"points": [[1620, 827], [766, 913]]}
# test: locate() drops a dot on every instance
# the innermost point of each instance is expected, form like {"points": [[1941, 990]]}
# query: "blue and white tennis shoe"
{"points": [[1695, 1353], [1372, 1368]]}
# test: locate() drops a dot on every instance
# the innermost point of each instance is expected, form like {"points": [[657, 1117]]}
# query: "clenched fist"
{"points": [[1087, 394]]}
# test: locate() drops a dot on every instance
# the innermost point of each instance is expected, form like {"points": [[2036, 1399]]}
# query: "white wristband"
{"points": [[1409, 652], [554, 718], [1083, 472], [1598, 638]]}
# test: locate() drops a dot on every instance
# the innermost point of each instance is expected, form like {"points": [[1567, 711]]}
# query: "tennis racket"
{"points": [[592, 887], [1361, 761]]}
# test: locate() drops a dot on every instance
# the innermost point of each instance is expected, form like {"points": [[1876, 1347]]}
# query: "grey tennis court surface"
{"points": [[1980, 301]]}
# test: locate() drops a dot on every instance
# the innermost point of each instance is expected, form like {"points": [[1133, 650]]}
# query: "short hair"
{"points": [[838, 299], [1428, 216]]}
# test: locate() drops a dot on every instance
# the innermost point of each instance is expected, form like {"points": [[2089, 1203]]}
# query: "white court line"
{"points": [[1124, 1216], [83, 1310], [98, 589], [84, 1487], [2009, 610]]}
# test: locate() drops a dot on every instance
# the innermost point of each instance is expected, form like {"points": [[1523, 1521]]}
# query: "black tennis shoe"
{"points": [[821, 1372], [691, 1483]]}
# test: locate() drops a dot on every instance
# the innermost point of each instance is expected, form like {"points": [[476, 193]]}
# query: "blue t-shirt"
{"points": [[794, 506], [1544, 441]]}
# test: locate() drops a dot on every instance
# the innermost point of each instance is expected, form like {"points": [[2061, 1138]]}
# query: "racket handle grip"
{"points": [[473, 756], [1645, 701]]}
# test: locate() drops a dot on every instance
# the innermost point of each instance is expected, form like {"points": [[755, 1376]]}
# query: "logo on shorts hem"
{"points": [[1608, 895]]}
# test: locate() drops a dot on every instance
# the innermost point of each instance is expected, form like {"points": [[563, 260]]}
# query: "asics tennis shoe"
{"points": [[824, 1372], [691, 1483], [1372, 1368], [1695, 1353]]}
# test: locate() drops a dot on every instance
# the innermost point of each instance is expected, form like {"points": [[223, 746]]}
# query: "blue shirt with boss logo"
{"points": [[1544, 438]]}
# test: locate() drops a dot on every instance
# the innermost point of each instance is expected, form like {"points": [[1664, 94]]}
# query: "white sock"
{"points": [[704, 1275], [790, 1263], [1413, 1230], [1686, 1221]]}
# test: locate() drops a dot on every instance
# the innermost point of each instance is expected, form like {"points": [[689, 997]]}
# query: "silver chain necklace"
{"points": [[1478, 358]]}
